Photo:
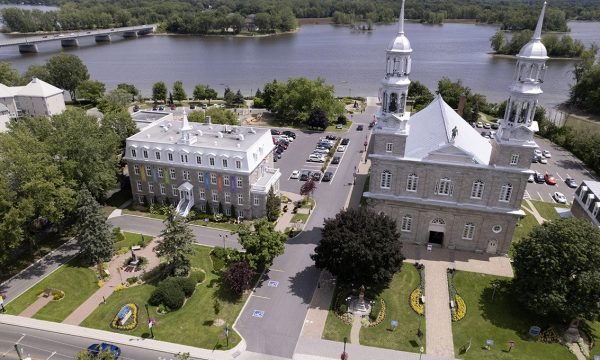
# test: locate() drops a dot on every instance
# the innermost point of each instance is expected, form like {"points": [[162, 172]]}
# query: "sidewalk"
{"points": [[437, 310], [85, 309], [285, 220]]}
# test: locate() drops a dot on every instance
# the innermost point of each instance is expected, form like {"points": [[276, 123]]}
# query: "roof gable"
{"points": [[38, 88]]}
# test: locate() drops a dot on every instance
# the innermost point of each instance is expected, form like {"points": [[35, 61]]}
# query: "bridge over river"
{"points": [[28, 44]]}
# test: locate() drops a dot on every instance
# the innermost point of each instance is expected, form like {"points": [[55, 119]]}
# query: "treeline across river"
{"points": [[208, 16]]}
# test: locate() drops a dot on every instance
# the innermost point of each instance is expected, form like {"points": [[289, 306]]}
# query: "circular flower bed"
{"points": [[415, 302], [461, 308], [130, 323], [380, 315]]}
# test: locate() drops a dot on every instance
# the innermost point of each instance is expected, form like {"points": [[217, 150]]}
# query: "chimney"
{"points": [[461, 105]]}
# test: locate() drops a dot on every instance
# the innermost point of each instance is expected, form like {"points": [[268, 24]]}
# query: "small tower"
{"points": [[513, 144], [186, 131], [392, 118]]}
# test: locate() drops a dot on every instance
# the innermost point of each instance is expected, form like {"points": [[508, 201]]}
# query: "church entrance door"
{"points": [[492, 246], [436, 237]]}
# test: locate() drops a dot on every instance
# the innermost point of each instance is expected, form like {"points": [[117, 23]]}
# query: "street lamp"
{"points": [[421, 351], [344, 355]]}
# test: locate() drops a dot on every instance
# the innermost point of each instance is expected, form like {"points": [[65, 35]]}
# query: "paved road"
{"points": [[21, 282], [153, 227], [284, 307]]}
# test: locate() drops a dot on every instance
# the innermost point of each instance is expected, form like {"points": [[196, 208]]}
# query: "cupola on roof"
{"points": [[400, 42], [535, 48]]}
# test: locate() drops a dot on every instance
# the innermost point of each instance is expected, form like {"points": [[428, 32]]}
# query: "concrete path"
{"points": [[319, 307], [116, 277], [532, 209], [36, 306], [437, 310], [355, 331], [285, 220]]}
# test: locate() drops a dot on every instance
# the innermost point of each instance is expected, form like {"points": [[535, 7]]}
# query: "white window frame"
{"points": [[200, 176], [406, 223], [211, 161], [148, 171], [596, 209], [444, 187], [227, 211], [133, 153], [215, 196], [227, 196], [136, 169], [157, 155], [161, 172], [184, 158], [172, 173], [145, 153], [170, 156], [386, 179], [174, 190], [139, 186], [141, 199], [186, 175], [514, 159], [505, 192], [163, 191], [468, 231], [412, 182], [225, 180], [240, 182], [389, 147], [213, 178], [225, 163], [238, 164], [256, 200], [202, 194], [198, 159], [150, 187], [240, 199], [477, 189]]}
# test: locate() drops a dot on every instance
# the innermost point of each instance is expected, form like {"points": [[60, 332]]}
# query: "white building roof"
{"points": [[38, 88], [7, 91], [431, 136]]}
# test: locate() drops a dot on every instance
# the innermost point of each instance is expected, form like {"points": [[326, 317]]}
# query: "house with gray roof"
{"points": [[586, 203]]}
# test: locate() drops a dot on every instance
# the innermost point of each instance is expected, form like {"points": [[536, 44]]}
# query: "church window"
{"points": [[444, 187], [514, 159], [386, 179], [506, 192], [411, 182], [402, 102], [477, 189], [136, 169], [389, 147], [393, 106], [406, 223], [468, 231]]}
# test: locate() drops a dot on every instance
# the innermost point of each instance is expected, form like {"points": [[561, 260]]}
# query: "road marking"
{"points": [[272, 283], [276, 270], [526, 195], [258, 313], [540, 195], [557, 174], [261, 297]]}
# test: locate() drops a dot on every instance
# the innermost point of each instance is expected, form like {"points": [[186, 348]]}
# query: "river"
{"points": [[352, 61]]}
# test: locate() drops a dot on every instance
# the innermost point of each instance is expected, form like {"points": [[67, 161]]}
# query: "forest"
{"points": [[214, 16]]}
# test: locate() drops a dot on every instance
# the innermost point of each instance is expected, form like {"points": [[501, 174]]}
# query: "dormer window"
{"points": [[133, 153], [184, 158], [198, 159], [170, 156], [145, 154], [596, 209], [157, 155], [225, 163], [211, 161]]}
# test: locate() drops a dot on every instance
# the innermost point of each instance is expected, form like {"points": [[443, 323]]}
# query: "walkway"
{"points": [[530, 208], [116, 277], [285, 220], [36, 306], [355, 330], [437, 310]]}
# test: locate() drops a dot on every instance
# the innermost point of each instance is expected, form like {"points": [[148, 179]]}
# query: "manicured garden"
{"points": [[501, 320], [77, 282], [190, 325], [131, 239]]}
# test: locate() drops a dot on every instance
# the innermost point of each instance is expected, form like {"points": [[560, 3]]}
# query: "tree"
{"points": [[93, 233], [238, 98], [176, 243], [114, 101], [318, 119], [557, 270], [308, 188], [178, 91], [229, 97], [120, 124], [159, 91], [199, 92], [420, 94], [262, 243], [238, 277], [8, 75], [67, 71], [35, 71], [129, 88], [360, 247], [273, 205], [210, 94], [91, 90], [498, 40], [85, 355]]}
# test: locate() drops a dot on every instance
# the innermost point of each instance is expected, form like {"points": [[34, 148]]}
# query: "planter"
{"points": [[126, 319]]}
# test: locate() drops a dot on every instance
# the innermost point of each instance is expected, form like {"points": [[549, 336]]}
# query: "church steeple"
{"points": [[186, 131]]}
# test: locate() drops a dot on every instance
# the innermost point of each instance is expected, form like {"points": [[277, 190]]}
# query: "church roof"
{"points": [[431, 135], [38, 88]]}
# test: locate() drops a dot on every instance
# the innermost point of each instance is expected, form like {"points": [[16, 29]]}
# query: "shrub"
{"points": [[198, 276], [132, 280], [119, 288], [100, 283], [375, 309], [187, 285], [118, 235], [168, 293], [217, 307], [342, 308]]}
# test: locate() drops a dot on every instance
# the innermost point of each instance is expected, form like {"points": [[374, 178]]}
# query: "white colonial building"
{"points": [[38, 98], [195, 165], [437, 176]]}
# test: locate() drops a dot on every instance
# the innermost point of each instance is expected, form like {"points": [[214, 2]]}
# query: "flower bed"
{"points": [[131, 323], [461, 308], [380, 315], [415, 302]]}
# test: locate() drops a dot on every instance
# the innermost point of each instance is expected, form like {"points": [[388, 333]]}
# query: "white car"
{"points": [[295, 174], [341, 148], [559, 198], [479, 124], [320, 151], [316, 158], [537, 152], [546, 154], [543, 160], [531, 178]]}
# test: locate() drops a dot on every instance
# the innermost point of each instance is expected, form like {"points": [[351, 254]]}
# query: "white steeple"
{"points": [[394, 86], [525, 90], [186, 129]]}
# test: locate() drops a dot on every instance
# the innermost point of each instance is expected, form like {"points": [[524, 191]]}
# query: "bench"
{"points": [[136, 247]]}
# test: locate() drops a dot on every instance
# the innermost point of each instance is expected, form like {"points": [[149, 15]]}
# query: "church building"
{"points": [[443, 182]]}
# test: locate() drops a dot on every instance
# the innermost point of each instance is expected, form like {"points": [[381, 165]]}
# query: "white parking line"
{"points": [[261, 297], [540, 195], [526, 195], [557, 174]]}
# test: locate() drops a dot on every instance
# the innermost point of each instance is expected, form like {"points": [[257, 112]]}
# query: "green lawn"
{"points": [[398, 307], [190, 325], [77, 282], [216, 225], [524, 227], [143, 213], [132, 239], [299, 217], [335, 329], [595, 329], [547, 209], [347, 126], [501, 320]]}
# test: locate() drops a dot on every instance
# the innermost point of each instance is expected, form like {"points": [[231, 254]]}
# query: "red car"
{"points": [[550, 180]]}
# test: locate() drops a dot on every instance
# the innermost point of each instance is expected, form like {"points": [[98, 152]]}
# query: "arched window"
{"points": [[506, 192], [444, 187], [477, 189], [412, 182], [402, 102], [468, 231], [384, 101], [406, 223], [386, 179], [393, 106]]}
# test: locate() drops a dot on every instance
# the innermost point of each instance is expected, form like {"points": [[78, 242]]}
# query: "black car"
{"points": [[289, 134], [345, 141], [539, 178], [161, 108], [495, 126], [275, 132], [571, 182], [316, 176], [331, 137], [279, 150], [359, 128], [192, 106], [305, 175], [327, 176], [335, 160]]}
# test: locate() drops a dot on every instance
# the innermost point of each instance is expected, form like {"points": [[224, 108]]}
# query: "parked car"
{"points": [[324, 146], [479, 124], [331, 137], [316, 158], [305, 175], [359, 128], [546, 154], [537, 152], [543, 160], [192, 106], [571, 182], [275, 132], [95, 349], [550, 180], [154, 108], [335, 160], [345, 141], [539, 178], [161, 108], [204, 106], [495, 126], [327, 176], [320, 151], [559, 198], [316, 176], [531, 178], [290, 134], [341, 148], [487, 126], [295, 174]]}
